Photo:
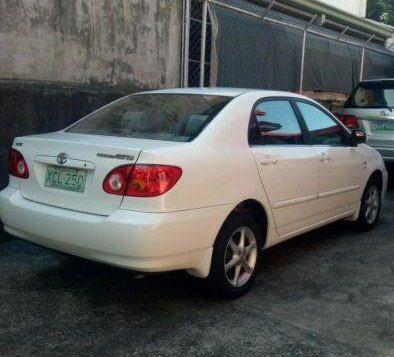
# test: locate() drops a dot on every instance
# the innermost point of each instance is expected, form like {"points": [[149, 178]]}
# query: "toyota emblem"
{"points": [[62, 158]]}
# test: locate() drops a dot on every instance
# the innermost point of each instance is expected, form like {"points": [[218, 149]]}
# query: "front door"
{"points": [[340, 165], [288, 167]]}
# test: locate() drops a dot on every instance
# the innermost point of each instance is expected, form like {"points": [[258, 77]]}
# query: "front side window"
{"points": [[323, 130], [169, 117], [274, 123]]}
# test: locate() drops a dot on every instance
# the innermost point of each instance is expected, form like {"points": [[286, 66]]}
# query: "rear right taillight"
{"points": [[141, 180], [350, 121], [17, 165], [148, 180]]}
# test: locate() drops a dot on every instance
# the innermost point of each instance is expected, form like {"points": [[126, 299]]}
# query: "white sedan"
{"points": [[194, 179]]}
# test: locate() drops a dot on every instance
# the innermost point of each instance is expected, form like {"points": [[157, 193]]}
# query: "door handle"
{"points": [[324, 157], [268, 161]]}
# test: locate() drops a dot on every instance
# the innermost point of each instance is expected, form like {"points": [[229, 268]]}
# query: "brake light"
{"points": [[143, 180], [152, 180], [17, 165], [350, 121]]}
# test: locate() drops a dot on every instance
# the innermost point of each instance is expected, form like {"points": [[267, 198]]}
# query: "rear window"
{"points": [[170, 117], [372, 95]]}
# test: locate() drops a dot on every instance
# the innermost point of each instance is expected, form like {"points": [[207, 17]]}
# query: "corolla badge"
{"points": [[62, 158]]}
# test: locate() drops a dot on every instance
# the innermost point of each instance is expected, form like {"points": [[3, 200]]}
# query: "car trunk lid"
{"points": [[67, 170]]}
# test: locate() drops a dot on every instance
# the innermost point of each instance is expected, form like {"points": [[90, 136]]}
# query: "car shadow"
{"points": [[390, 170], [103, 285]]}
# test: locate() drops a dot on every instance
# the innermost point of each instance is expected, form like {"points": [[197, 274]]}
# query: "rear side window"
{"points": [[323, 130], [274, 123], [372, 95], [170, 117]]}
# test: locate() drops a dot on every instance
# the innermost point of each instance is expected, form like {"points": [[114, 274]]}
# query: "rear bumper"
{"points": [[149, 242]]}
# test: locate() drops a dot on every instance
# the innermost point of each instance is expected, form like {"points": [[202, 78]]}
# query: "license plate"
{"points": [[383, 126], [65, 178]]}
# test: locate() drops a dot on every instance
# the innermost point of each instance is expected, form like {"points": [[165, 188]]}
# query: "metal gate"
{"points": [[199, 65]]}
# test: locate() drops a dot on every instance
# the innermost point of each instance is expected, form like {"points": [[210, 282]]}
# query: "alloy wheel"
{"points": [[372, 202], [240, 257]]}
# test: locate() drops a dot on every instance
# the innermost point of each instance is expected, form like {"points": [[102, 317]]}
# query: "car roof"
{"points": [[222, 91]]}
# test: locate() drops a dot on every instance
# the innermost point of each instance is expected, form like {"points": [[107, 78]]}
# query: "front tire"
{"points": [[236, 257], [370, 206]]}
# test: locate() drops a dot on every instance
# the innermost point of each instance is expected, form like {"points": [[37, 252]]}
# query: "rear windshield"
{"points": [[372, 95], [170, 117]]}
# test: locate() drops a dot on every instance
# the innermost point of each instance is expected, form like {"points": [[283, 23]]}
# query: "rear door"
{"points": [[288, 167], [340, 165]]}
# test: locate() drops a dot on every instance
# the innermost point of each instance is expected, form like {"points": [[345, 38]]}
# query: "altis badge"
{"points": [[116, 156]]}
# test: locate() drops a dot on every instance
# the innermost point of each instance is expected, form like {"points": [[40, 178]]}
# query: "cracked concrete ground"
{"points": [[326, 293]]}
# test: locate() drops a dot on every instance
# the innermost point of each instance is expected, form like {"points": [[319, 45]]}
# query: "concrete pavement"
{"points": [[327, 293]]}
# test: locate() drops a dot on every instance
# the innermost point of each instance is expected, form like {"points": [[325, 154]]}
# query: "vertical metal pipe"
{"points": [[304, 35], [362, 63], [363, 56], [186, 45], [203, 41], [182, 45], [303, 60]]}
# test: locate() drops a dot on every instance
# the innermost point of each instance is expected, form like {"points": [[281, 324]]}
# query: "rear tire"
{"points": [[370, 206], [236, 257]]}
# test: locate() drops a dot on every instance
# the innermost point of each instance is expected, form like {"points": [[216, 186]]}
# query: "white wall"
{"points": [[116, 42], [356, 7]]}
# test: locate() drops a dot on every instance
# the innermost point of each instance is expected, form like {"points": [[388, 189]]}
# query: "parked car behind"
{"points": [[195, 179], [371, 108]]}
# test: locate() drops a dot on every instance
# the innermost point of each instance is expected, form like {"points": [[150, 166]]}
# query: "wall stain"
{"points": [[113, 42]]}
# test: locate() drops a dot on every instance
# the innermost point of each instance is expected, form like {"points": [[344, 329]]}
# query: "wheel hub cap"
{"points": [[240, 256], [372, 203]]}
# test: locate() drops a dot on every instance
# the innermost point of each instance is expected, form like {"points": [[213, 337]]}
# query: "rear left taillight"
{"points": [[350, 121], [142, 180], [115, 182], [17, 165]]}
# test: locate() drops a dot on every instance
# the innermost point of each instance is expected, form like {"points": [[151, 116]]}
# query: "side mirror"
{"points": [[358, 137]]}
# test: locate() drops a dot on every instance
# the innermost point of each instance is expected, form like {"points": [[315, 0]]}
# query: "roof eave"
{"points": [[344, 17]]}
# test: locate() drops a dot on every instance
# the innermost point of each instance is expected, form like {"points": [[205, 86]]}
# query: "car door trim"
{"points": [[294, 201], [335, 192], [310, 227]]}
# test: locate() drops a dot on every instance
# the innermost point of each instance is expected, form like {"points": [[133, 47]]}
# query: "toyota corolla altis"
{"points": [[194, 179]]}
